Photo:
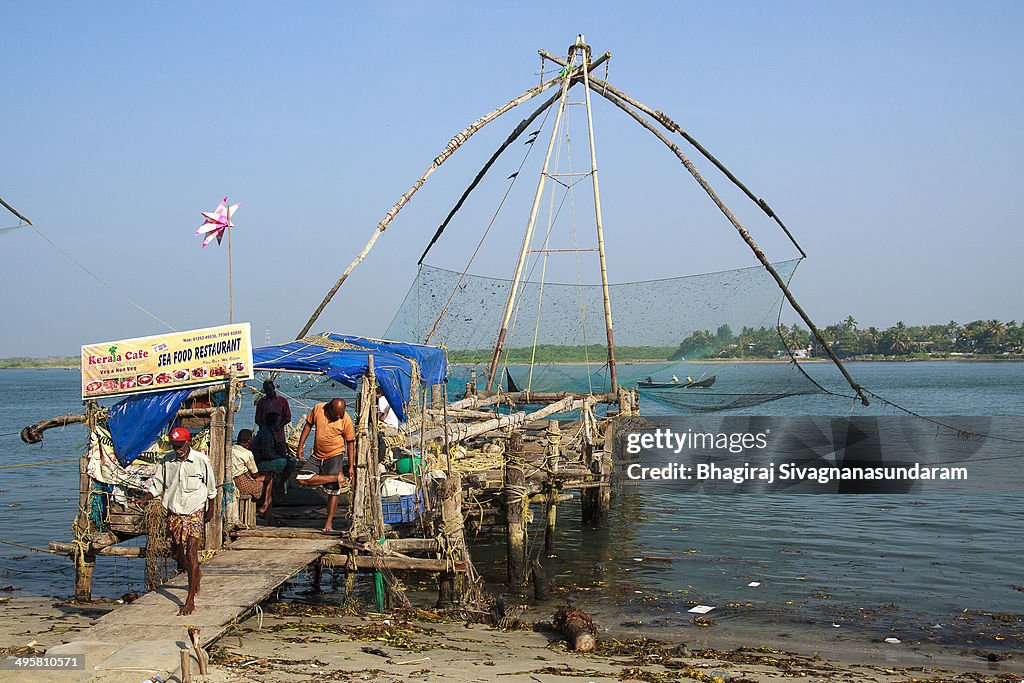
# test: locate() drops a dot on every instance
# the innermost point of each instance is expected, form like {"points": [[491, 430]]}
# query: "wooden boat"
{"points": [[695, 384]]}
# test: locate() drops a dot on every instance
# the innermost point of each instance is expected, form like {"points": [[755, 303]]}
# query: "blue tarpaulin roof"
{"points": [[343, 358], [137, 421]]}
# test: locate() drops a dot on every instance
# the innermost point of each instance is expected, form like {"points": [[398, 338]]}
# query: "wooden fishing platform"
{"points": [[146, 637]]}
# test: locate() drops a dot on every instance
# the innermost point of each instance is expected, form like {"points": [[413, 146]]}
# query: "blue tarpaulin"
{"points": [[137, 421], [343, 358]]}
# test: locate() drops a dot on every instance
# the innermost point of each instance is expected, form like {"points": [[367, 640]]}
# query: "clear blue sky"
{"points": [[887, 135]]}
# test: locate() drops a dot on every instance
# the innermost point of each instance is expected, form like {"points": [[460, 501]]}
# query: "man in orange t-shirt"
{"points": [[333, 452]]}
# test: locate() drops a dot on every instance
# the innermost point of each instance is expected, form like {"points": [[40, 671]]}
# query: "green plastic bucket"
{"points": [[405, 465]]}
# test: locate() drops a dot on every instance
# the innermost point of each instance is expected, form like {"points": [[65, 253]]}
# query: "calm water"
{"points": [[923, 567]]}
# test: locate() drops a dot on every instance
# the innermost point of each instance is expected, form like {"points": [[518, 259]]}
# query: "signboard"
{"points": [[167, 361]]}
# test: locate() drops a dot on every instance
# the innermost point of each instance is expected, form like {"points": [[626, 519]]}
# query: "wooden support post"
{"points": [[229, 440], [437, 397], [471, 387], [218, 454], [318, 574], [350, 574], [588, 496], [554, 435], [85, 561], [453, 540], [201, 655], [361, 491], [186, 665], [597, 499], [516, 497], [604, 491], [368, 408], [85, 566], [541, 583], [625, 402]]}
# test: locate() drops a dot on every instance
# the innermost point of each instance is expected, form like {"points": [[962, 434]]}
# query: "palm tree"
{"points": [[898, 338], [994, 332]]}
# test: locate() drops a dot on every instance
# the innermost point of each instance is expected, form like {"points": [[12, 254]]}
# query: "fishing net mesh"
{"points": [[695, 326]]}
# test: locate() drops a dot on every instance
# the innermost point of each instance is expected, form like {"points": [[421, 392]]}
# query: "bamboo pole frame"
{"points": [[531, 223]]}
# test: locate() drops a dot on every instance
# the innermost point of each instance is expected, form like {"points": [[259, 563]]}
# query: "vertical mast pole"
{"points": [[613, 375], [510, 304], [230, 295]]}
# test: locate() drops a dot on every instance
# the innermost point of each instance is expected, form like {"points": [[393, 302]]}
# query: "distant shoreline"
{"points": [[654, 361]]}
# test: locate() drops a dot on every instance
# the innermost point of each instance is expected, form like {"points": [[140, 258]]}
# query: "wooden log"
{"points": [[104, 551], [462, 413], [482, 399], [426, 564], [460, 432], [515, 512], [588, 498], [577, 627], [401, 545], [34, 433]]}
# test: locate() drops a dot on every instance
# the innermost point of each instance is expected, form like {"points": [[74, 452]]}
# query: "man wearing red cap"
{"points": [[187, 489]]}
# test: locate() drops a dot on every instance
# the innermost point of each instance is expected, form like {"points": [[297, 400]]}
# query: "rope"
{"points": [[494, 217], [36, 464], [963, 432], [28, 547], [104, 282]]}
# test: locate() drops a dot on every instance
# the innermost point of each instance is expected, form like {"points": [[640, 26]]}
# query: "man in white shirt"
{"points": [[187, 488], [387, 415]]}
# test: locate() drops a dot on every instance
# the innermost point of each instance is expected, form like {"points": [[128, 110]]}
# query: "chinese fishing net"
{"points": [[699, 343]]}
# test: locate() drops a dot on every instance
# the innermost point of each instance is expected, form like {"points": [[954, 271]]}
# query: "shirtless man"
{"points": [[333, 453]]}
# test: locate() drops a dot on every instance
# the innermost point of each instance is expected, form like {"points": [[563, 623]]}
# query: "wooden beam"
{"points": [[458, 431], [103, 551], [391, 562]]}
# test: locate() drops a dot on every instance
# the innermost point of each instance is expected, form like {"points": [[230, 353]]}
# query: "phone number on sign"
{"points": [[70, 662]]}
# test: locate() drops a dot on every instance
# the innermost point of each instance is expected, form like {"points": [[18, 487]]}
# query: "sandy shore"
{"points": [[290, 642]]}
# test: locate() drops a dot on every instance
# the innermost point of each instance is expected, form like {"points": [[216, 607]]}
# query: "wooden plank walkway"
{"points": [[142, 639]]}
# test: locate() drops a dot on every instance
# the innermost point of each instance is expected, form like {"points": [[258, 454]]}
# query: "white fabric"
{"points": [[102, 465], [390, 419]]}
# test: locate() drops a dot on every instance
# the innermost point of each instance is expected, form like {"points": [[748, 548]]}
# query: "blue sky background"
{"points": [[887, 136]]}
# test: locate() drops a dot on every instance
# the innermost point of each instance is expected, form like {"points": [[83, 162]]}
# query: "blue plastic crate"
{"points": [[401, 509]]}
